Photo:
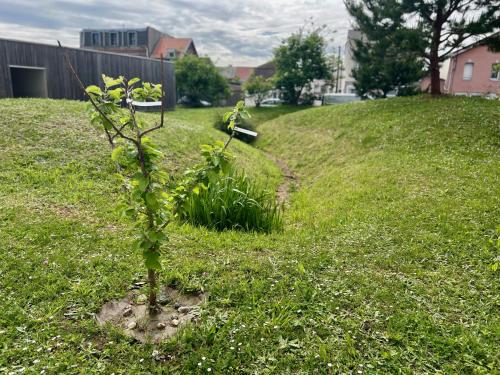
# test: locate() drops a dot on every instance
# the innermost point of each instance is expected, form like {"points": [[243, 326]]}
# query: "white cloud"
{"points": [[229, 31]]}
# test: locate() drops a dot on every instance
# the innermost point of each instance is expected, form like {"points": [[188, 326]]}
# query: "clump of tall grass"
{"points": [[234, 202]]}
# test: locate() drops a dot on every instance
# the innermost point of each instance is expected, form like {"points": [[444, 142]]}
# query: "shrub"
{"points": [[220, 124], [233, 202], [198, 79]]}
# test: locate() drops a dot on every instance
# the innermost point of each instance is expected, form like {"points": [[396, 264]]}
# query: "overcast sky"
{"points": [[238, 32]]}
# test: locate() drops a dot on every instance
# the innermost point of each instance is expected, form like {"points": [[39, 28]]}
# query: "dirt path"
{"points": [[290, 180]]}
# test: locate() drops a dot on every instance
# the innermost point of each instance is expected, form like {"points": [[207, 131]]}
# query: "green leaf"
{"points": [[133, 81], [142, 182], [151, 201], [157, 236], [226, 116], [196, 190], [152, 260], [110, 82], [117, 152], [94, 90]]}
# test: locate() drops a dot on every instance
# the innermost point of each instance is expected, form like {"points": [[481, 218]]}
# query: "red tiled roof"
{"points": [[166, 42], [243, 72]]}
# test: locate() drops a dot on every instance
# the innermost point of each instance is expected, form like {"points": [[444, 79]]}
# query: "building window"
{"points": [[495, 71], [96, 39], [468, 69], [113, 39], [171, 54], [132, 38]]}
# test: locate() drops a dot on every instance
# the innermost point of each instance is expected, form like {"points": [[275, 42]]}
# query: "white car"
{"points": [[272, 102]]}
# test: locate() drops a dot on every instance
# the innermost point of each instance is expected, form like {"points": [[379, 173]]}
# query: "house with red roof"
{"points": [[145, 42], [174, 48]]}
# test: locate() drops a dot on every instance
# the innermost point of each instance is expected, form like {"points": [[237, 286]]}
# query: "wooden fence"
{"points": [[21, 56]]}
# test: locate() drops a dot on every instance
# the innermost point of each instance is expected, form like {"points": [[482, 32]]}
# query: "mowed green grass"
{"points": [[383, 266]]}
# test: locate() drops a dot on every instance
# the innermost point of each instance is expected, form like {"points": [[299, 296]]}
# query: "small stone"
{"points": [[141, 299], [177, 305], [174, 322], [127, 311], [163, 299], [184, 309], [174, 317], [131, 325], [161, 325]]}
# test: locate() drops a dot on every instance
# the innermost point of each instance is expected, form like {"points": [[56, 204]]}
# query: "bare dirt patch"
{"points": [[290, 180], [131, 314]]}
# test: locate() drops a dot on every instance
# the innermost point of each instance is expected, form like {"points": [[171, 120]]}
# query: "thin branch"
{"points": [[162, 80], [94, 104], [121, 128], [229, 140]]}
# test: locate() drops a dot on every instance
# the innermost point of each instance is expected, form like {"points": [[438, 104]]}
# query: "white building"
{"points": [[350, 64]]}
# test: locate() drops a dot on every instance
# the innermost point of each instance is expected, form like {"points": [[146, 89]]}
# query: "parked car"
{"points": [[271, 102], [185, 101]]}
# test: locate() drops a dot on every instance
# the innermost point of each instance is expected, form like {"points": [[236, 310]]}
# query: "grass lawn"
{"points": [[384, 264]]}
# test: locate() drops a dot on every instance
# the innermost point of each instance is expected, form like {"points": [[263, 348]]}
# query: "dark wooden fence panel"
{"points": [[89, 65]]}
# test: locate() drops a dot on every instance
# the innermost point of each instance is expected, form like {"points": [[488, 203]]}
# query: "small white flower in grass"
{"points": [[141, 360], [276, 327], [329, 364], [199, 364], [209, 369], [239, 344], [232, 348], [203, 358]]}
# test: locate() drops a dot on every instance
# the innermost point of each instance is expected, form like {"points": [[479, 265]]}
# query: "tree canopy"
{"points": [[198, 79], [442, 26], [258, 87], [299, 60], [388, 53]]}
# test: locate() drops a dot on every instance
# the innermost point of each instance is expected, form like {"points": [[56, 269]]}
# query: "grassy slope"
{"points": [[382, 266]]}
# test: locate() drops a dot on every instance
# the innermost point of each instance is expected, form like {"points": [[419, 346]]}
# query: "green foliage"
{"points": [[219, 124], [299, 60], [388, 54], [234, 202], [258, 87], [138, 159], [198, 79], [148, 203], [433, 29]]}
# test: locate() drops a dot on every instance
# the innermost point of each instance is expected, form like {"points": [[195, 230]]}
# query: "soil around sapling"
{"points": [[131, 314]]}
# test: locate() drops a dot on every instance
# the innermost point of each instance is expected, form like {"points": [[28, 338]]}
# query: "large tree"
{"points": [[383, 67], [388, 53], [198, 79], [444, 25], [299, 60]]}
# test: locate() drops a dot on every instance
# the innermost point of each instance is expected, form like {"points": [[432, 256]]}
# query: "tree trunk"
{"points": [[435, 76], [434, 54], [152, 288]]}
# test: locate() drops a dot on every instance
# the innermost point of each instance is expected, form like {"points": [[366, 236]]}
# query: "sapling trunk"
{"points": [[152, 280]]}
